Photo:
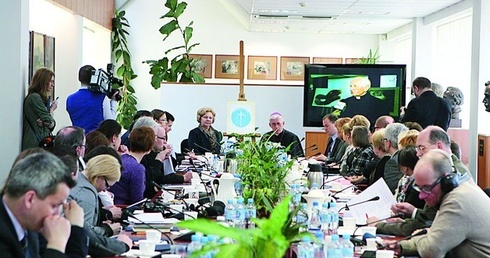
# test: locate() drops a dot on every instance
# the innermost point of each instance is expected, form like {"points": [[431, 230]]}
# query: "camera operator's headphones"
{"points": [[448, 181]]}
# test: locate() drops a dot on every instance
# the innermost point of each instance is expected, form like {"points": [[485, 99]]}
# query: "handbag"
{"points": [[46, 142]]}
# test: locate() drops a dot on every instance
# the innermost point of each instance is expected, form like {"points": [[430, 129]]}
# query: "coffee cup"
{"points": [[153, 235], [385, 254], [147, 247]]}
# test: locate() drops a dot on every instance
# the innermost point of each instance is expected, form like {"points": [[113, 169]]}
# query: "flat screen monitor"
{"points": [[350, 89]]}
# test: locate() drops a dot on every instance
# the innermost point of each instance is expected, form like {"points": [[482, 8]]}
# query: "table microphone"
{"points": [[205, 149], [346, 207], [200, 177], [341, 190], [129, 214], [421, 232]]}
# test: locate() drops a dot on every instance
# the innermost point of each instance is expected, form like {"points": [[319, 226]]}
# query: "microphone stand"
{"points": [[346, 207], [341, 190], [398, 215], [200, 177]]}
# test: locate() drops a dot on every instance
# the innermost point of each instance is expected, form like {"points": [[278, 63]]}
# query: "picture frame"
{"points": [[227, 67], [203, 64], [351, 60], [327, 60], [293, 68], [262, 68], [36, 52]]}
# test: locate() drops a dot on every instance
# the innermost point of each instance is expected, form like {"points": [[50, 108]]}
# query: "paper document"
{"points": [[379, 208], [152, 217]]}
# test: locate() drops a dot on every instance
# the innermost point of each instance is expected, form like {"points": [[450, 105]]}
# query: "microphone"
{"points": [[201, 147], [341, 190], [397, 215], [421, 232], [200, 177], [129, 214], [346, 207]]}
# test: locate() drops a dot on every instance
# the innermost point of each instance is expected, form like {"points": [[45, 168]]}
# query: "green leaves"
{"points": [[127, 105], [179, 67]]}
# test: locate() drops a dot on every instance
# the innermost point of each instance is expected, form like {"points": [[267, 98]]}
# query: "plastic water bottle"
{"points": [[204, 241], [334, 249], [302, 216], [240, 214], [305, 249], [251, 212], [314, 220], [230, 212], [194, 245], [334, 219], [347, 247], [318, 246], [324, 218]]}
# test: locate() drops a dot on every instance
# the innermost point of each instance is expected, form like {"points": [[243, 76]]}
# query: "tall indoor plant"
{"points": [[127, 105], [180, 67]]}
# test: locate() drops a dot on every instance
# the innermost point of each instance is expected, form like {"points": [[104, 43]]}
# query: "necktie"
{"points": [[24, 244], [329, 147]]}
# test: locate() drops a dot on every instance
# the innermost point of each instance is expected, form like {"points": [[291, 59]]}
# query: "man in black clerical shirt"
{"points": [[283, 136]]}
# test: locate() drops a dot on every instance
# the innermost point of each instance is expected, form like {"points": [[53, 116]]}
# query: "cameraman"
{"points": [[87, 107]]}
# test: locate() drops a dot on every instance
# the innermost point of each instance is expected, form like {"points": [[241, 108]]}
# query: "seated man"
{"points": [[461, 226], [336, 147], [283, 136], [36, 189]]}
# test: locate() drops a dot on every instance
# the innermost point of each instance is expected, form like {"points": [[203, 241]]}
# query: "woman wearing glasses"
{"points": [[102, 172]]}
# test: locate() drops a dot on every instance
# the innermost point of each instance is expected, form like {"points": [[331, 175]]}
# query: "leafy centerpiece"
{"points": [[263, 167], [271, 238]]}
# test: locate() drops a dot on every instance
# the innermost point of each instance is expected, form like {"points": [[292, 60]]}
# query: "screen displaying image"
{"points": [[348, 90]]}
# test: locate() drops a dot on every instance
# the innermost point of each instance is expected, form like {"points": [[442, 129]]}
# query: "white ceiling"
{"points": [[331, 16]]}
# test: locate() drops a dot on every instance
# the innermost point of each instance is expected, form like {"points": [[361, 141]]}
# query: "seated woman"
{"points": [[407, 138], [133, 180], [112, 130], [205, 138], [361, 155], [101, 172], [379, 149], [405, 192]]}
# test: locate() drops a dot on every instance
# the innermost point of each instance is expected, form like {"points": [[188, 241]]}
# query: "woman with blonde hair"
{"points": [[38, 121], [407, 138], [101, 173], [205, 138], [379, 149]]}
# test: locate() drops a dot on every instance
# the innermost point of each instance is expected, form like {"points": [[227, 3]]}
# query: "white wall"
{"points": [[219, 33]]}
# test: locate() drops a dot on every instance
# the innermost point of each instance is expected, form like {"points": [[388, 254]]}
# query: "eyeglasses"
{"points": [[107, 185], [428, 188], [162, 138]]}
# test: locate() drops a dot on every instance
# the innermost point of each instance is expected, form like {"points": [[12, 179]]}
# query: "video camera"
{"points": [[101, 82]]}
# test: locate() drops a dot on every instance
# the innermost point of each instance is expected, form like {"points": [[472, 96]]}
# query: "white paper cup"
{"points": [[147, 246], [370, 230], [153, 235], [371, 244], [176, 208], [385, 254], [349, 222], [190, 215]]}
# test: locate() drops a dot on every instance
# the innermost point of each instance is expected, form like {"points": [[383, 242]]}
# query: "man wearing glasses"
{"points": [[461, 226], [432, 137]]}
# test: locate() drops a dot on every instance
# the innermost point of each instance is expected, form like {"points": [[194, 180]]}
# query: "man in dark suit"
{"points": [[426, 108], [31, 201], [335, 147], [283, 136]]}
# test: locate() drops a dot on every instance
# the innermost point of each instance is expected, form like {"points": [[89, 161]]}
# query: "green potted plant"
{"points": [[263, 167], [181, 67], [271, 238]]}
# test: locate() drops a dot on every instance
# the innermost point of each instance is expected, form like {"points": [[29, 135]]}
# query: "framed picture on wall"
{"points": [[293, 68], [203, 64], [262, 67], [36, 52], [226, 67], [327, 60], [49, 46], [352, 60]]}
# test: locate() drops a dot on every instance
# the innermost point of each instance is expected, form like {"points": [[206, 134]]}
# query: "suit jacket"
{"points": [[10, 247], [428, 109], [154, 173], [338, 150], [287, 138], [392, 173]]}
